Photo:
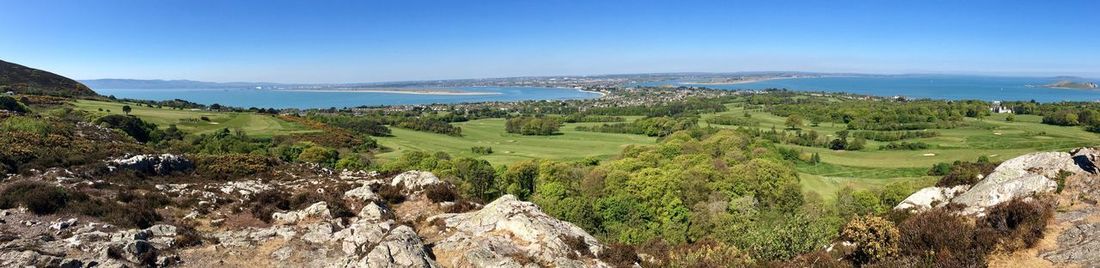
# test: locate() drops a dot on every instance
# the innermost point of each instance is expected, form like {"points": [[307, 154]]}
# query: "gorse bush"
{"points": [[875, 239]]}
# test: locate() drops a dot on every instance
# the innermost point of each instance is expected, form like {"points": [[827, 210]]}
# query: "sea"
{"points": [[265, 98], [949, 87]]}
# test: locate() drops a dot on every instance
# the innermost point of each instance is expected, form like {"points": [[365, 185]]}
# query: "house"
{"points": [[1000, 109]]}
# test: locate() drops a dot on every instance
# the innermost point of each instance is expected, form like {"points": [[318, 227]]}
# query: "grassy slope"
{"points": [[508, 148], [188, 120]]}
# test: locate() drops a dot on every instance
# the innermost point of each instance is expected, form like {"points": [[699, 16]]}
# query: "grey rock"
{"points": [[926, 198], [163, 164], [401, 248], [507, 227], [1079, 245]]}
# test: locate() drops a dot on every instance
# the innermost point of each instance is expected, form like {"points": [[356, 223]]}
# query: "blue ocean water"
{"points": [[299, 99], [949, 87]]}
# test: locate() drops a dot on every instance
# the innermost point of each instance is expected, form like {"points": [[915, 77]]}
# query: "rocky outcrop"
{"points": [[930, 197], [509, 233], [1019, 177], [151, 164], [357, 229], [415, 180]]}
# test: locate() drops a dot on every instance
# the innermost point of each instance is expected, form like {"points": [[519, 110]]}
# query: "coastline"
{"points": [[410, 92]]}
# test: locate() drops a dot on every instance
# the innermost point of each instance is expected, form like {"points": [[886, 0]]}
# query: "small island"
{"points": [[1067, 84]]}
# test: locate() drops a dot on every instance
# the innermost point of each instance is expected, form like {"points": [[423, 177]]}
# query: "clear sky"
{"points": [[366, 41]]}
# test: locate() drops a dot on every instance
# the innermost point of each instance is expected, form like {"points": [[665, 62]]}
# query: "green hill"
{"points": [[25, 80]]}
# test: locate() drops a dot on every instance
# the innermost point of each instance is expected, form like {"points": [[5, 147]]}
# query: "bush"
{"points": [[440, 193], [620, 255], [391, 194], [576, 243], [232, 165], [1017, 224], [320, 155], [140, 130], [966, 173], [875, 239], [39, 197], [942, 237], [11, 104], [265, 203], [334, 200]]}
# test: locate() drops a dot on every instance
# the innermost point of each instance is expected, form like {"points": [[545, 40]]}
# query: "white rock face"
{"points": [[362, 193], [1022, 176], [414, 180], [318, 211], [162, 164], [927, 197], [507, 227]]}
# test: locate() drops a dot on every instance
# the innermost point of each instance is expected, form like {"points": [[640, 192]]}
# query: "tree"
{"points": [[794, 121], [1010, 118], [126, 109], [476, 178], [519, 179]]}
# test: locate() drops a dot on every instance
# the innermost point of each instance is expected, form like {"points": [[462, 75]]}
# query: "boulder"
{"points": [[930, 197], [506, 228], [317, 211], [415, 180], [401, 248], [152, 164], [362, 193]]}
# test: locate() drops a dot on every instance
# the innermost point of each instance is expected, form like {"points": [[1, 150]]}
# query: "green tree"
{"points": [[126, 109], [793, 122], [476, 178], [519, 179]]}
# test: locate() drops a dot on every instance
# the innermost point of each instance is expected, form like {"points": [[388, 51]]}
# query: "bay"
{"points": [[304, 99]]}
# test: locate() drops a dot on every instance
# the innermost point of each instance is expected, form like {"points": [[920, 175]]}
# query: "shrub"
{"points": [[440, 193], [1018, 224], [334, 200], [707, 254], [620, 255], [320, 155], [966, 173], [391, 194], [532, 125], [875, 238], [577, 244], [232, 165], [11, 104], [265, 203], [39, 197], [140, 130], [942, 237]]}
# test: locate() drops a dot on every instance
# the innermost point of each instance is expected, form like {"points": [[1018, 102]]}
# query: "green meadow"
{"points": [[191, 122]]}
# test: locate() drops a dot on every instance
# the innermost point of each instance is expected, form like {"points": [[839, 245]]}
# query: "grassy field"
{"points": [[190, 121], [507, 147]]}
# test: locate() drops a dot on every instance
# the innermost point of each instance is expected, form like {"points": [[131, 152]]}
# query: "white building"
{"points": [[998, 108]]}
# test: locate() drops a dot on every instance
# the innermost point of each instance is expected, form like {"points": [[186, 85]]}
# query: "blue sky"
{"points": [[366, 41]]}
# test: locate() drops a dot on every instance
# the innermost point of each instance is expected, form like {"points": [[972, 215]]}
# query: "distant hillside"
{"points": [[167, 84], [25, 80], [1073, 85]]}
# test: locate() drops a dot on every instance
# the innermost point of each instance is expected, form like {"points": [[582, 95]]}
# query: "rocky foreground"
{"points": [[416, 233], [1070, 180]]}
